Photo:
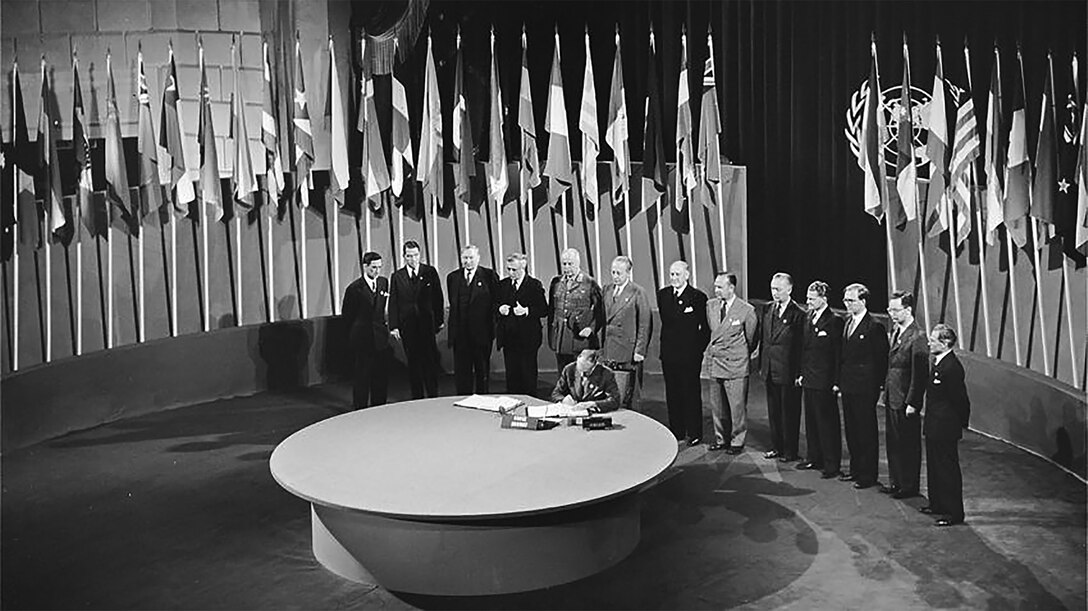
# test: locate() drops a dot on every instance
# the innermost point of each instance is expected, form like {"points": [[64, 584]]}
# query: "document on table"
{"points": [[555, 410], [490, 403]]}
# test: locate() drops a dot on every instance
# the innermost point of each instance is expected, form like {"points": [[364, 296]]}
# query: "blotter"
{"points": [[529, 423], [489, 403]]}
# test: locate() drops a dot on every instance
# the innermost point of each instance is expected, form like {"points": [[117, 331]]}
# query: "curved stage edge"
{"points": [[1014, 404]]}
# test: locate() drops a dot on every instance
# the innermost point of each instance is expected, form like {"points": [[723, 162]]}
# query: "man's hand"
{"points": [[584, 333], [911, 411], [797, 382], [639, 358], [835, 389], [504, 310], [568, 400], [395, 334], [520, 310], [589, 406]]}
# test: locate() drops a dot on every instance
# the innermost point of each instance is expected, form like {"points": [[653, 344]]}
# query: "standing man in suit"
{"points": [[416, 311], [684, 336], [472, 322], [627, 322], [908, 370], [575, 310], [780, 362], [821, 343], [947, 414], [521, 305], [863, 364], [733, 327], [364, 309]]}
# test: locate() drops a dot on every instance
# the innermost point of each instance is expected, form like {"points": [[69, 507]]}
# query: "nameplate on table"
{"points": [[489, 403], [528, 423]]}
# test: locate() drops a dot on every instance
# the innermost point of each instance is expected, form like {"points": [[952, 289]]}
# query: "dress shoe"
{"points": [[714, 447], [694, 441], [787, 459], [735, 450], [905, 494], [805, 466], [830, 475], [889, 489], [846, 477], [863, 485], [947, 522], [926, 509], [771, 454]]}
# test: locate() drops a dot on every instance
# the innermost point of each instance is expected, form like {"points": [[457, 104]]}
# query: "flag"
{"points": [[172, 173], [338, 133], [530, 159], [150, 187], [464, 159], [245, 178], [965, 150], [270, 127], [873, 130], [25, 160], [685, 165], [906, 172], [617, 138], [429, 166], [497, 180], [654, 173], [48, 161], [938, 151], [1066, 197], [94, 218], [376, 174], [303, 133], [117, 196], [558, 167], [994, 159], [1045, 186], [710, 129], [1017, 170], [1081, 176], [591, 138], [210, 189], [402, 138]]}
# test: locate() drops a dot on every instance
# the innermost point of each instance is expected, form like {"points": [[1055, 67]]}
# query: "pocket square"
{"points": [[688, 310], [822, 334], [735, 323], [936, 380]]}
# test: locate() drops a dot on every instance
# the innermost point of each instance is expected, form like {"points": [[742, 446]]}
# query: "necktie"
{"points": [[895, 336], [616, 293], [412, 273], [850, 327], [721, 315], [468, 276]]}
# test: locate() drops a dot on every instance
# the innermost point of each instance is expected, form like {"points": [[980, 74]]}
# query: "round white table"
{"points": [[429, 498]]}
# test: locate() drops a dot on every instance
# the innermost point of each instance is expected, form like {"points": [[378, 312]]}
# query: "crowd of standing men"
{"points": [[805, 356]]}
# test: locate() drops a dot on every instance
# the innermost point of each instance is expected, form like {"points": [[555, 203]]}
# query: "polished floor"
{"points": [[178, 511]]}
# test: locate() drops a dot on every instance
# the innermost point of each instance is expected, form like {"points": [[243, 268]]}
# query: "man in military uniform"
{"points": [[575, 311]]}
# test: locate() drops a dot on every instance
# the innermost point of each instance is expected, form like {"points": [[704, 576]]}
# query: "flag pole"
{"points": [[366, 217], [597, 237], [302, 243], [563, 205], [79, 276], [721, 223], [953, 239], [1035, 250], [973, 183], [47, 230], [874, 90], [269, 255], [15, 241], [238, 264], [335, 259], [529, 214], [1068, 288], [434, 222]]}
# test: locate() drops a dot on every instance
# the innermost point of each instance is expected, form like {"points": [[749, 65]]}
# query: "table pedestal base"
{"points": [[475, 557]]}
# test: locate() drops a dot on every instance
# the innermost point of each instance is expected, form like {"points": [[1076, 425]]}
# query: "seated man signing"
{"points": [[587, 385]]}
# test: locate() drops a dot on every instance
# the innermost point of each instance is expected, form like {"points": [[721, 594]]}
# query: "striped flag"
{"points": [[965, 150], [683, 120], [94, 218], [1017, 169], [938, 151], [210, 188], [117, 196], [402, 138], [375, 172], [338, 132], [497, 180], [48, 161], [591, 138], [617, 137], [146, 145], [995, 152], [464, 159], [172, 171], [873, 130], [429, 166], [558, 166], [654, 173], [270, 127], [303, 133], [530, 158], [710, 128], [245, 178], [906, 171]]}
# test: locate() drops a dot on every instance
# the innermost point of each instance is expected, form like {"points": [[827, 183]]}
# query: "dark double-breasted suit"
{"points": [[821, 342], [779, 362], [519, 337], [863, 364], [947, 413], [471, 328], [684, 336], [908, 370], [368, 334], [417, 310]]}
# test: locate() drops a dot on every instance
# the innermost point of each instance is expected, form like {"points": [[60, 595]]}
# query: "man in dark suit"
{"points": [[684, 336], [472, 322], [586, 384], [521, 306], [779, 363], [863, 364], [947, 414], [364, 309], [416, 311], [908, 370], [821, 342]]}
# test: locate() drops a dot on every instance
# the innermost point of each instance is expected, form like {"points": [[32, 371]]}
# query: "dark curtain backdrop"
{"points": [[785, 70]]}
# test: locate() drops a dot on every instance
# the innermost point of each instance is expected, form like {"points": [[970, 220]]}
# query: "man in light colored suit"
{"points": [[732, 338], [627, 325]]}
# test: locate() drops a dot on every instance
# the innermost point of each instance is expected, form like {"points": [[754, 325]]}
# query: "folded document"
{"points": [[490, 403]]}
